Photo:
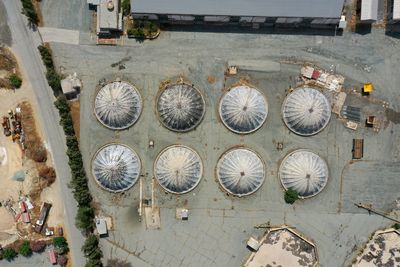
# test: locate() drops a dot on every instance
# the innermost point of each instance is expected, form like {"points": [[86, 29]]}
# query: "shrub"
{"points": [[60, 245], [38, 246], [9, 254], [29, 10], [91, 248], [152, 27], [126, 7], [47, 173], [84, 218], [62, 260], [291, 196], [15, 81], [396, 226], [25, 249], [94, 263]]}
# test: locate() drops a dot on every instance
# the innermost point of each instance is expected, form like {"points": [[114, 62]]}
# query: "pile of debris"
{"points": [[332, 82], [12, 126]]}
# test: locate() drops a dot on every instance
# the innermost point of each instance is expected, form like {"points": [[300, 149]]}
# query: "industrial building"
{"points": [[180, 107], [109, 17], [306, 111], [243, 109], [257, 13], [117, 105], [178, 169], [116, 167], [304, 172], [240, 172]]}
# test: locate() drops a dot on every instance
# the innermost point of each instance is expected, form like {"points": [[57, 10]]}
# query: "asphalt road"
{"points": [[24, 44]]}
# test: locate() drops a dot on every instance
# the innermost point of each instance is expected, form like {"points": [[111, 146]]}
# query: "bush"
{"points": [[152, 27], [91, 248], [29, 10], [53, 78], [15, 81], [291, 196], [9, 254], [62, 260], [47, 173], [126, 7], [94, 263], [396, 226], [60, 245], [38, 246], [84, 218], [25, 249]]}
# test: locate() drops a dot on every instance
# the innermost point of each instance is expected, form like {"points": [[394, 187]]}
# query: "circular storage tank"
{"points": [[306, 111], [240, 171], [305, 172], [178, 169], [118, 105], [180, 107], [116, 167], [243, 109]]}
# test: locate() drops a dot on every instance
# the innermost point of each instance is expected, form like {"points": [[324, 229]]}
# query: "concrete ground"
{"points": [[219, 225]]}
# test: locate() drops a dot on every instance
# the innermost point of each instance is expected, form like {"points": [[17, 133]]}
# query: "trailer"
{"points": [[52, 257], [44, 211], [358, 148]]}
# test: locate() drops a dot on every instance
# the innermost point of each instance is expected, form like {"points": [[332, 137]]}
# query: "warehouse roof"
{"points": [[262, 8]]}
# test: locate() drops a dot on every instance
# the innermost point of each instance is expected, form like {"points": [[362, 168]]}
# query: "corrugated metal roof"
{"points": [[262, 8], [369, 10], [396, 9]]}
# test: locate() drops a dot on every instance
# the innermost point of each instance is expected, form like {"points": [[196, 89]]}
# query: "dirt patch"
{"points": [[75, 114], [35, 149], [211, 79], [8, 66], [36, 5]]}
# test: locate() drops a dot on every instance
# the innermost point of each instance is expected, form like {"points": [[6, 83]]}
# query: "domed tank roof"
{"points": [[305, 172], [178, 169], [118, 105], [116, 167], [243, 109], [180, 107], [240, 171], [306, 111]]}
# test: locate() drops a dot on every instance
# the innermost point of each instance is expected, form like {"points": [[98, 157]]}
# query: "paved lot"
{"points": [[59, 35], [219, 225]]}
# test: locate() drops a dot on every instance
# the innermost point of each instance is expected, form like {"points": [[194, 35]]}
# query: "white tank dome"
{"points": [[118, 105], [116, 167], [305, 172], [243, 109], [306, 111], [180, 107], [178, 169], [240, 171]]}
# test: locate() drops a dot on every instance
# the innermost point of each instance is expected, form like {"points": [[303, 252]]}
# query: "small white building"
{"points": [[396, 10], [101, 227], [369, 10], [71, 86]]}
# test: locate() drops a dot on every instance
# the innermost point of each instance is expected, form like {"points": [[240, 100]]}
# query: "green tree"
{"points": [[291, 196], [15, 81], [152, 27], [91, 248], [126, 7], [84, 218], [25, 249], [94, 263], [396, 226], [60, 245], [9, 254]]}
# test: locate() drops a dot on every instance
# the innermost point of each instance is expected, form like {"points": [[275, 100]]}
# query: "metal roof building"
{"points": [[180, 107], [243, 109], [239, 11], [369, 10], [305, 172], [396, 10]]}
